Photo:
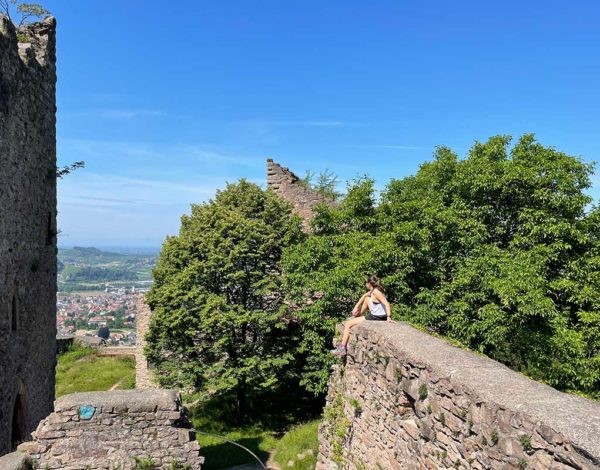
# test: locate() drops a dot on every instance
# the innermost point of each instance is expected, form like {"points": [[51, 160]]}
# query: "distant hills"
{"points": [[90, 268]]}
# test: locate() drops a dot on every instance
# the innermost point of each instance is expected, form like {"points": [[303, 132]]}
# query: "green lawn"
{"points": [[300, 440], [79, 370], [269, 434], [300, 446], [220, 454]]}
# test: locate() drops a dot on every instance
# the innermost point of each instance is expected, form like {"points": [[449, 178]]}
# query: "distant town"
{"points": [[97, 294]]}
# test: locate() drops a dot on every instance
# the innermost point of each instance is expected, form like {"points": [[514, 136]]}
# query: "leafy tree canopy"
{"points": [[324, 183], [499, 250], [24, 11], [220, 325]]}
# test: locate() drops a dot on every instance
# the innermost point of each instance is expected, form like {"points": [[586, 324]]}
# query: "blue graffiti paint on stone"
{"points": [[86, 411]]}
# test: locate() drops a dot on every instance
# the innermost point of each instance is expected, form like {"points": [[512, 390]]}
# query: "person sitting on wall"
{"points": [[379, 310]]}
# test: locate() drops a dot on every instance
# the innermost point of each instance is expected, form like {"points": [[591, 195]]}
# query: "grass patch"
{"points": [[220, 454], [214, 416], [300, 440], [269, 419], [79, 370]]}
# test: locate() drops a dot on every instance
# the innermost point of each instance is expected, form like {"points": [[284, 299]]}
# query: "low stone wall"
{"points": [[115, 430], [408, 400]]}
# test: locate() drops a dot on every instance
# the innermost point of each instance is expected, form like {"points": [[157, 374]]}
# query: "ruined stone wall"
{"points": [[143, 375], [407, 400], [27, 227], [111, 430], [287, 185]]}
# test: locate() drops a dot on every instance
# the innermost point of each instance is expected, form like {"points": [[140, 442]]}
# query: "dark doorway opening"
{"points": [[19, 424]]}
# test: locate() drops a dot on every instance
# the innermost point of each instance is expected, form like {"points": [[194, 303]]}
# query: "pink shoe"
{"points": [[339, 351]]}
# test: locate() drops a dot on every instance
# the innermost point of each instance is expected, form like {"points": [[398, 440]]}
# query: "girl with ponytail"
{"points": [[379, 310]]}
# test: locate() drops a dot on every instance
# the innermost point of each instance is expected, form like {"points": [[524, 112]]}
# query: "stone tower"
{"points": [[287, 185], [143, 374], [27, 227]]}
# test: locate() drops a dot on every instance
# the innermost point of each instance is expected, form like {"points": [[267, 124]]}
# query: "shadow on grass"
{"points": [[270, 416]]}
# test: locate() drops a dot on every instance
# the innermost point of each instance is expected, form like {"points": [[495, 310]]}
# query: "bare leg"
{"points": [[349, 324]]}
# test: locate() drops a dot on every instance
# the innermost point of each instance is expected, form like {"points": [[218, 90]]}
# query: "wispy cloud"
{"points": [[128, 113], [303, 123], [166, 152], [392, 147], [118, 113], [100, 187]]}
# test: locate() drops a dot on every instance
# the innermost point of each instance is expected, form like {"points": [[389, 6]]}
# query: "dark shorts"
{"points": [[368, 316]]}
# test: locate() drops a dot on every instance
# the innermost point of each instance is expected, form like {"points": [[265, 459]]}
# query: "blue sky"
{"points": [[166, 101]]}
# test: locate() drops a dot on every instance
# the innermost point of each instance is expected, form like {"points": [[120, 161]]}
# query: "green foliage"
{"points": [[354, 403], [337, 427], [26, 11], [499, 251], [422, 392], [68, 169], [525, 442], [495, 436], [176, 465], [325, 184], [220, 325], [96, 274], [143, 463]]}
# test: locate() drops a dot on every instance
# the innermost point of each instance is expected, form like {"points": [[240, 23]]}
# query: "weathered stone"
{"points": [[122, 428], [27, 228], [477, 414], [15, 461], [144, 377]]}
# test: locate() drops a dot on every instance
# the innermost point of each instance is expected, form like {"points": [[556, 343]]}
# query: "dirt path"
{"points": [[114, 387]]}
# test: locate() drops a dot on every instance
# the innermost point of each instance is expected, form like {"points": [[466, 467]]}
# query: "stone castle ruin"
{"points": [[289, 187], [402, 400], [407, 400], [27, 228]]}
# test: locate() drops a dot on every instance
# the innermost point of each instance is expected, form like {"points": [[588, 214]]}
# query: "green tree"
{"points": [[323, 276], [498, 250], [220, 325], [326, 183], [26, 11]]}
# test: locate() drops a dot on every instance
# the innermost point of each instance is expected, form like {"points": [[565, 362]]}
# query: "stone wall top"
{"points": [[141, 400], [573, 416], [117, 429], [36, 41]]}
